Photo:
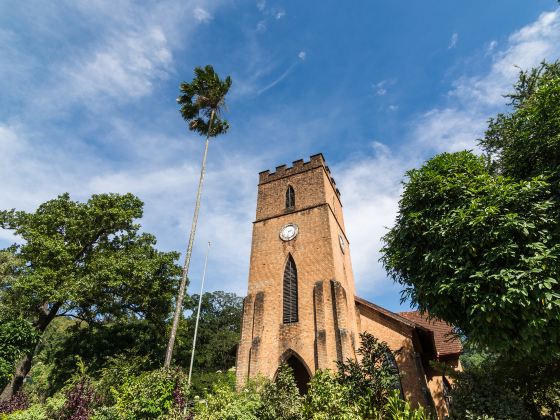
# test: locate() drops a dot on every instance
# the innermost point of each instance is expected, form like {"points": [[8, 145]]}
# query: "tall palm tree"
{"points": [[202, 102]]}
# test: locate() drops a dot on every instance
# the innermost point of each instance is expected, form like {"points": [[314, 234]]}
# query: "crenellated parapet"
{"points": [[298, 166]]}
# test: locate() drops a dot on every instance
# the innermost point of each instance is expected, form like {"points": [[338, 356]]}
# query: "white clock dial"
{"points": [[288, 232], [342, 243]]}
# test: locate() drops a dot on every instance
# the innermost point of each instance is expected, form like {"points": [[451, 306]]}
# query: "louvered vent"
{"points": [[290, 300]]}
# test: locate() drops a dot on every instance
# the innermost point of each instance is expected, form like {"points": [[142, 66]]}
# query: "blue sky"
{"points": [[88, 106]]}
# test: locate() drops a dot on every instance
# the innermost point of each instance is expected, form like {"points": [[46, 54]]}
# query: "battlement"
{"points": [[298, 166]]}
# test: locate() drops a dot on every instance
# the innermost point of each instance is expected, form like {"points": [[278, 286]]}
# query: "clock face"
{"points": [[288, 232], [342, 243]]}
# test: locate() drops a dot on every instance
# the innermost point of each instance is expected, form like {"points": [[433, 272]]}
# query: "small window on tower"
{"points": [[290, 198], [290, 298]]}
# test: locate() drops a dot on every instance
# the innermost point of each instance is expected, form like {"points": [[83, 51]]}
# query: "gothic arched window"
{"points": [[391, 363], [290, 198], [290, 299]]}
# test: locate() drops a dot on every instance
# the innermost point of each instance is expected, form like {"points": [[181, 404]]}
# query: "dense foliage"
{"points": [[491, 385], [84, 260], [17, 337], [477, 238], [371, 378]]}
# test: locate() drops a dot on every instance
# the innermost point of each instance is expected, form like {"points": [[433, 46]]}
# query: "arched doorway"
{"points": [[301, 373]]}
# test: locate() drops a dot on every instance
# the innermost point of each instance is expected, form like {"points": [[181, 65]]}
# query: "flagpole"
{"points": [[198, 313]]}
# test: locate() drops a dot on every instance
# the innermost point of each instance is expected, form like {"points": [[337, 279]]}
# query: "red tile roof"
{"points": [[446, 343]]}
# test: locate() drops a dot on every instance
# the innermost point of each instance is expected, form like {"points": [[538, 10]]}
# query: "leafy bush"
{"points": [[105, 413], [19, 401], [47, 411], [479, 392], [280, 398], [118, 370], [328, 399], [81, 399], [372, 378], [224, 403], [398, 409], [150, 395], [17, 337]]}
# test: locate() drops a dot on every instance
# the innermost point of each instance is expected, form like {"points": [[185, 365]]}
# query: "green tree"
{"points": [[218, 331], [202, 102], [370, 378], [84, 260], [328, 399], [477, 238], [17, 337], [280, 398], [491, 385]]}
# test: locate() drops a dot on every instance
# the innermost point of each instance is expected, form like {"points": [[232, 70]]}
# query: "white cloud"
{"points": [[261, 5], [280, 14], [202, 15], [381, 87], [473, 99], [491, 47], [126, 64], [370, 187], [370, 184], [124, 67], [525, 48], [261, 26], [453, 41]]}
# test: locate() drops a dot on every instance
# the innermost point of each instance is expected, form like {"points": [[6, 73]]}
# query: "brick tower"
{"points": [[300, 306]]}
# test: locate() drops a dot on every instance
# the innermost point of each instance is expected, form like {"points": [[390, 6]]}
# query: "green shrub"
{"points": [[105, 413], [118, 370], [224, 403], [47, 411], [149, 395], [480, 392], [372, 377], [280, 398], [398, 409], [328, 399]]}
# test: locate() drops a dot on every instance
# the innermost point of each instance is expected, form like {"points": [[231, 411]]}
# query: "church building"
{"points": [[301, 307]]}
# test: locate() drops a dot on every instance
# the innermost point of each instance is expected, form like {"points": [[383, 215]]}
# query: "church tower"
{"points": [[300, 306]]}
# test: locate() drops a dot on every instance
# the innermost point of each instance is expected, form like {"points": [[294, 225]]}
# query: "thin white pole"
{"points": [[198, 312]]}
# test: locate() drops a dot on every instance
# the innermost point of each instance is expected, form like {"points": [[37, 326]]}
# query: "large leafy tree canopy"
{"points": [[218, 331], [477, 238], [87, 260], [84, 260]]}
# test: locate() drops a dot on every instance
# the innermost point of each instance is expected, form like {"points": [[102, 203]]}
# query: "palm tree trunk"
{"points": [[184, 276]]}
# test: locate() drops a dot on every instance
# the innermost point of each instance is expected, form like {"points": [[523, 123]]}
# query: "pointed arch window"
{"points": [[391, 363], [290, 197], [290, 292]]}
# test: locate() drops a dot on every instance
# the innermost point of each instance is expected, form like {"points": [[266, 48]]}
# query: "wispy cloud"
{"points": [[381, 87], [474, 98], [491, 47], [201, 15], [453, 41], [370, 207], [301, 56], [131, 53]]}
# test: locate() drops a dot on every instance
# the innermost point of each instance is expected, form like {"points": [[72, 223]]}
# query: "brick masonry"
{"points": [[329, 318]]}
